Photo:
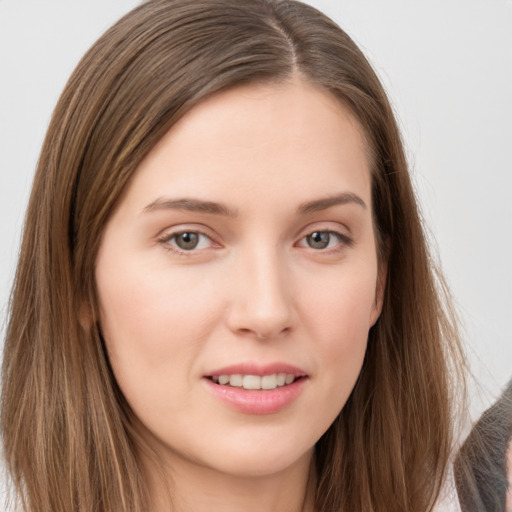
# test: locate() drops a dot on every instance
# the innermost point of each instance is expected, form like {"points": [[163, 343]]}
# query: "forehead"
{"points": [[291, 138]]}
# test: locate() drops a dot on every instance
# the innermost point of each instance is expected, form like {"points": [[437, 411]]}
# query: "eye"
{"points": [[321, 240], [186, 241]]}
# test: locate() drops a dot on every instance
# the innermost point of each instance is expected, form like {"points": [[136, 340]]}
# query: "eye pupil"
{"points": [[318, 239], [187, 241]]}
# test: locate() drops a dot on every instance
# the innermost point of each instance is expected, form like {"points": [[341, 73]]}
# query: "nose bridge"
{"points": [[263, 302]]}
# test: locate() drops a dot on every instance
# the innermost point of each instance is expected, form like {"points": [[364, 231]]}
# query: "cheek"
{"points": [[339, 320], [342, 304], [151, 323], [154, 330]]}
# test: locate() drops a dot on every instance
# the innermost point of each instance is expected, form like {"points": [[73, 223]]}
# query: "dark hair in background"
{"points": [[481, 464], [69, 436]]}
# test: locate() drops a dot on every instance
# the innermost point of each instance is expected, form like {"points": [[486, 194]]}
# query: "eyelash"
{"points": [[165, 241]]}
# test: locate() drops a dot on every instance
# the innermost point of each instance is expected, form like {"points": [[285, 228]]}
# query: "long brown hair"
{"points": [[68, 434]]}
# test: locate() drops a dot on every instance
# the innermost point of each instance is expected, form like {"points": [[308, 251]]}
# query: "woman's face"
{"points": [[242, 256]]}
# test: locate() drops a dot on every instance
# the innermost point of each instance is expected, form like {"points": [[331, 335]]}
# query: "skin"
{"points": [[253, 290]]}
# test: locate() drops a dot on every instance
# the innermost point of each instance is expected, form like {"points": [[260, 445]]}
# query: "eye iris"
{"points": [[187, 241], [318, 239]]}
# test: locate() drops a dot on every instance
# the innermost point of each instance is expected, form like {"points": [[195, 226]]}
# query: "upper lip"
{"points": [[251, 368]]}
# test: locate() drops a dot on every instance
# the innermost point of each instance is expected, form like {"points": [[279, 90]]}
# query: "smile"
{"points": [[257, 389], [255, 381]]}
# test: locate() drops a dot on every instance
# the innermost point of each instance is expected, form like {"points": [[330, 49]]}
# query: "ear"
{"points": [[380, 288], [85, 316]]}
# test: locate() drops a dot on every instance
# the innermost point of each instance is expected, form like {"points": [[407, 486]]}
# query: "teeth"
{"points": [[269, 382], [255, 381], [236, 380], [251, 382], [289, 379], [223, 379]]}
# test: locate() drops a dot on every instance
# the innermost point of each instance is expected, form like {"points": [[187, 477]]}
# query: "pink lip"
{"points": [[258, 369], [250, 401]]}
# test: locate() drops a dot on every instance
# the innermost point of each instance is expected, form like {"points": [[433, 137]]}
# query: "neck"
{"points": [[186, 487]]}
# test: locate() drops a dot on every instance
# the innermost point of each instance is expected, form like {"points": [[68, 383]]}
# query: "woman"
{"points": [[224, 299]]}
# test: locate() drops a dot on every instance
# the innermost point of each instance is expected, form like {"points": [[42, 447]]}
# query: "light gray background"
{"points": [[447, 66]]}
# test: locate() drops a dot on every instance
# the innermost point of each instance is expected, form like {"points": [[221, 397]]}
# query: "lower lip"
{"points": [[260, 401]]}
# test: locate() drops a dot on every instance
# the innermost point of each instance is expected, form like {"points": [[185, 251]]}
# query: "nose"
{"points": [[262, 303]]}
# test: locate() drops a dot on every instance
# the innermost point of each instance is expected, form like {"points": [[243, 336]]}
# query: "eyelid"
{"points": [[330, 226]]}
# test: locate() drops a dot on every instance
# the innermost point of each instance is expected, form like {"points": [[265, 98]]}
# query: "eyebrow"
{"points": [[213, 208], [328, 202], [190, 205]]}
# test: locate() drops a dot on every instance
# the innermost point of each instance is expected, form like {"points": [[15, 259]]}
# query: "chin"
{"points": [[259, 459]]}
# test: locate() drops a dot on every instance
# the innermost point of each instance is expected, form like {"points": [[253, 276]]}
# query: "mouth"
{"points": [[257, 390], [256, 382]]}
